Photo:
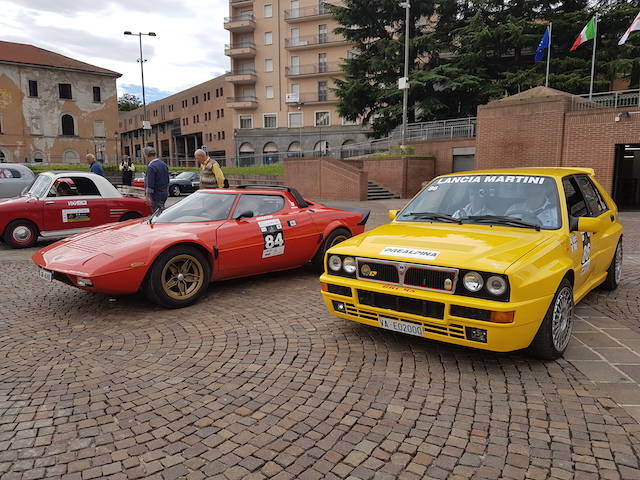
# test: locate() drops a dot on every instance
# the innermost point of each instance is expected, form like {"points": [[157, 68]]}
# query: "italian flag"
{"points": [[587, 33]]}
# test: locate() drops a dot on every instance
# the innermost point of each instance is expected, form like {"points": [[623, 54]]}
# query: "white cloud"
{"points": [[188, 48]]}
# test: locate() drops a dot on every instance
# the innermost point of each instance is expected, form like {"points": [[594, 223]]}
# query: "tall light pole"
{"points": [[403, 83], [144, 101]]}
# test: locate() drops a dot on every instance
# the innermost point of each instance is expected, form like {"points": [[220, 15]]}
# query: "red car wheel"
{"points": [[21, 234]]}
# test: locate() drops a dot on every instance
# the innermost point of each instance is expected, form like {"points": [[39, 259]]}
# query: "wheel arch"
{"points": [[208, 255], [329, 229], [21, 219]]}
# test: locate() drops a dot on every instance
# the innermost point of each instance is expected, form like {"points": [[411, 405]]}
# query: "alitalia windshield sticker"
{"points": [[492, 179], [409, 253]]}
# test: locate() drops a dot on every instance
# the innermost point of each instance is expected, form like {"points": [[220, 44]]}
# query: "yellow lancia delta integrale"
{"points": [[488, 259]]}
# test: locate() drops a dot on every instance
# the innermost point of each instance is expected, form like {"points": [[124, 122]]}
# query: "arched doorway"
{"points": [[68, 125], [270, 153], [348, 149], [5, 156], [38, 156], [321, 148], [71, 156], [294, 150], [247, 155]]}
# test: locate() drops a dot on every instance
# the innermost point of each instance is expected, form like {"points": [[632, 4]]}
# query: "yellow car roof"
{"points": [[548, 171]]}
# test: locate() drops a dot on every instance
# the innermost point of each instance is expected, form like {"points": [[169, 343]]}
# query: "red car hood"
{"points": [[119, 246]]}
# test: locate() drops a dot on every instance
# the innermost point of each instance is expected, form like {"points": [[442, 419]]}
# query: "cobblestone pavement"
{"points": [[258, 381]]}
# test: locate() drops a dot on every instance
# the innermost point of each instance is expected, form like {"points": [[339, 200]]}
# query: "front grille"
{"points": [[452, 330], [61, 277], [413, 306], [382, 272], [428, 278], [339, 290], [469, 312]]}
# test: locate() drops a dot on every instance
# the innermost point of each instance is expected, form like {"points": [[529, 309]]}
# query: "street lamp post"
{"points": [[144, 101], [404, 81]]}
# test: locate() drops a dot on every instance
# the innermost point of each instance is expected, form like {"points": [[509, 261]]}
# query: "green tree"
{"points": [[128, 102]]}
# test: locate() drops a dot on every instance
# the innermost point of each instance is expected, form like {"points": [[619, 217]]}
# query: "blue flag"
{"points": [[542, 46]]}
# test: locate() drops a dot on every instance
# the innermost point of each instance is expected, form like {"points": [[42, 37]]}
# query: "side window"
{"points": [[594, 199], [259, 204], [15, 173], [6, 173], [85, 186], [576, 204]]}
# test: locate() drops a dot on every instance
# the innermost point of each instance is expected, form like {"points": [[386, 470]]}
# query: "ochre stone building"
{"points": [[53, 108]]}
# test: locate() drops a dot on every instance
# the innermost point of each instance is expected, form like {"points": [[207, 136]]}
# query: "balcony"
{"points": [[240, 3], [318, 98], [240, 50], [242, 103], [313, 70], [312, 41], [297, 15], [241, 77], [241, 23]]}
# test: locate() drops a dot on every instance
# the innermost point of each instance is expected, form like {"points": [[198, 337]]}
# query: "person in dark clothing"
{"points": [[156, 181], [94, 167], [127, 168]]}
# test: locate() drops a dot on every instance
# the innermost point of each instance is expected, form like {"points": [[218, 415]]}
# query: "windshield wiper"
{"points": [[435, 216], [157, 212], [502, 219]]}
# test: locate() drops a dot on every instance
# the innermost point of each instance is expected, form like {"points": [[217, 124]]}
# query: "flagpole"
{"points": [[593, 55], [546, 82]]}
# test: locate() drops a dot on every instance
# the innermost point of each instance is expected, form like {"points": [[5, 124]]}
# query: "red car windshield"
{"points": [[199, 207]]}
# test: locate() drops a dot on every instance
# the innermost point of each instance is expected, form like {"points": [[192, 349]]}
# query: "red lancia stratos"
{"points": [[210, 235], [58, 204]]}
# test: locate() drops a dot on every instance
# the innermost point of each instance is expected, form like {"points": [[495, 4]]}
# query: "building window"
{"points": [[246, 121], [323, 35], [221, 92], [218, 113], [64, 90], [98, 129], [322, 119], [222, 113], [217, 93], [268, 65], [322, 91], [352, 54], [295, 119], [349, 122], [268, 92], [68, 127], [295, 65], [268, 38], [270, 120], [222, 134], [33, 88], [322, 63], [97, 97], [268, 11], [171, 108], [321, 147]]}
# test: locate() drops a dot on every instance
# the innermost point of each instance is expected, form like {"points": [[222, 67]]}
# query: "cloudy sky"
{"points": [[188, 48]]}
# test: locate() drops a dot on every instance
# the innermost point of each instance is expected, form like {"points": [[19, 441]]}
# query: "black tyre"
{"points": [[337, 236], [178, 277], [174, 191], [21, 234], [130, 216], [555, 330], [614, 273]]}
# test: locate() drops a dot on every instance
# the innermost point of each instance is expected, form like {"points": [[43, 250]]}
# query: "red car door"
{"points": [[73, 203], [268, 240]]}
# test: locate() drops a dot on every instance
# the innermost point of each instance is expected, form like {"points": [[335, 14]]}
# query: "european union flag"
{"points": [[542, 46]]}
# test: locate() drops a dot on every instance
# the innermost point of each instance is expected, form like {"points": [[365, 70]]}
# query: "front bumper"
{"points": [[438, 320]]}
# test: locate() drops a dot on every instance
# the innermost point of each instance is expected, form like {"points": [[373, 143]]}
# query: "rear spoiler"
{"points": [[365, 213]]}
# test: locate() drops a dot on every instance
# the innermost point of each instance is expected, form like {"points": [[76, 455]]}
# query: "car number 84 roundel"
{"points": [[273, 237]]}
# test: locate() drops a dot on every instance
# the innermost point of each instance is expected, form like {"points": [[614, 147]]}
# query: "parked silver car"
{"points": [[14, 177]]}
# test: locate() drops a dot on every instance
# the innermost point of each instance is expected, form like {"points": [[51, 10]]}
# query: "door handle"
{"points": [[50, 202]]}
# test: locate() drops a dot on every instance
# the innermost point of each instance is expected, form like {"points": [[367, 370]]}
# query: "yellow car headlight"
{"points": [[473, 281]]}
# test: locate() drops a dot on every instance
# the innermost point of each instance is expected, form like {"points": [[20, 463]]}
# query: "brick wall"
{"points": [[325, 178], [521, 133], [442, 151]]}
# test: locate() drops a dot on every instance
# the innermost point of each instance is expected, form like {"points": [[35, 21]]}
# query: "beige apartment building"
{"points": [[284, 57], [53, 108], [182, 123]]}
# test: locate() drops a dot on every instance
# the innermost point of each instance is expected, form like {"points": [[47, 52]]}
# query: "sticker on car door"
{"points": [[586, 252], [273, 237], [76, 215]]}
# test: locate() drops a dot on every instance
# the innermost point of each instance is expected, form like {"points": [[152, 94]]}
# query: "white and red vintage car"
{"points": [[62, 203]]}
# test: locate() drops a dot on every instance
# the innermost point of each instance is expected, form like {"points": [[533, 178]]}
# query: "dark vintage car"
{"points": [[185, 182]]}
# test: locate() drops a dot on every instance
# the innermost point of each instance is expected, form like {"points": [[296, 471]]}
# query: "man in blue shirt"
{"points": [[94, 167], [156, 181]]}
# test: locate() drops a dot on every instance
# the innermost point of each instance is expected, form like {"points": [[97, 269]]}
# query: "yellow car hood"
{"points": [[477, 247]]}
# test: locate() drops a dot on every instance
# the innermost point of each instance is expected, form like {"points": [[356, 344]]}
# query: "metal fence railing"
{"points": [[618, 99]]}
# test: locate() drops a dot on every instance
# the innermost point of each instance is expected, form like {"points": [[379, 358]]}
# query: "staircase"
{"points": [[376, 192]]}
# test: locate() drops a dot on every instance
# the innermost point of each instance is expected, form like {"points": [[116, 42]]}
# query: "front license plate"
{"points": [[45, 274], [402, 327]]}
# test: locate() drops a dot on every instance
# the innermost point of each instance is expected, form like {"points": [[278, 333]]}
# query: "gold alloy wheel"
{"points": [[339, 239], [182, 277]]}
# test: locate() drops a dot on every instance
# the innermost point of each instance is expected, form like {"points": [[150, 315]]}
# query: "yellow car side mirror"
{"points": [[392, 214], [588, 224]]}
